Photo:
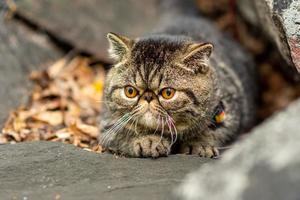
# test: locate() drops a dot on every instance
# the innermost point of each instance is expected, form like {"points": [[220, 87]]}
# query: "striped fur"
{"points": [[202, 78]]}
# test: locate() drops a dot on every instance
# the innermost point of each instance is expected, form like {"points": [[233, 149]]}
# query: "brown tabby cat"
{"points": [[175, 91]]}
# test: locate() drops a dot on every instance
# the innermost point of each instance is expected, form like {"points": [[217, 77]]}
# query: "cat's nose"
{"points": [[148, 96]]}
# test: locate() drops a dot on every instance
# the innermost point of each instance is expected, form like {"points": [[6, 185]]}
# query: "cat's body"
{"points": [[171, 85]]}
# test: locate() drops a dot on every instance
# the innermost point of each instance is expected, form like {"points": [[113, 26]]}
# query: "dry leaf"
{"points": [[53, 118], [89, 130], [56, 68], [64, 106]]}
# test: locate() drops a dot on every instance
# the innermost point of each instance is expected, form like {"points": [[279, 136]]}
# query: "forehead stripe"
{"points": [[191, 95]]}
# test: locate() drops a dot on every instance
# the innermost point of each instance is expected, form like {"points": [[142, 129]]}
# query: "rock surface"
{"points": [[280, 20], [264, 166], [59, 171], [87, 29], [21, 51]]}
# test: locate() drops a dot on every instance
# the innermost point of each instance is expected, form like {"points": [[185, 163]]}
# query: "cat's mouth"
{"points": [[149, 120], [154, 120], [153, 117], [149, 117]]}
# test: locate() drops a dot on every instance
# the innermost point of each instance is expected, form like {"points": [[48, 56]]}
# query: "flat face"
{"points": [[86, 23], [155, 83]]}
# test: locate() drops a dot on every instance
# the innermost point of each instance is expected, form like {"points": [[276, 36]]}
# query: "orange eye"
{"points": [[130, 91], [167, 93]]}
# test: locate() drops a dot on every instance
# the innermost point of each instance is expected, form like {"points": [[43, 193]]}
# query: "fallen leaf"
{"points": [[89, 130], [53, 118], [63, 106]]}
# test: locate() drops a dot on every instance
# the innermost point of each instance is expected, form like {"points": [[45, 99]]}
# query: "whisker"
{"points": [[135, 127], [119, 121], [174, 127], [136, 110], [163, 112], [119, 125], [156, 131], [129, 129], [170, 129], [163, 128], [114, 128], [126, 121], [157, 125], [134, 119], [105, 102], [101, 101]]}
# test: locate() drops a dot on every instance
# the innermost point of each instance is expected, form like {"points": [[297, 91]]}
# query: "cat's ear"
{"points": [[119, 46], [196, 57]]}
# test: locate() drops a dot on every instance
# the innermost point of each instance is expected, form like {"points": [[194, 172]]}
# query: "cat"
{"points": [[186, 88]]}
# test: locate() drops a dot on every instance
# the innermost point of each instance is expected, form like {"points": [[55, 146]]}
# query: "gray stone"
{"points": [[85, 24], [45, 170], [21, 51], [280, 20], [266, 165]]}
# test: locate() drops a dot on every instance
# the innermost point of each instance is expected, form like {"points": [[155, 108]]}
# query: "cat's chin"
{"points": [[149, 120], [153, 121]]}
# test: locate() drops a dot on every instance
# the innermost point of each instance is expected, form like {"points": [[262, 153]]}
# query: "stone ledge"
{"points": [[265, 165], [49, 169]]}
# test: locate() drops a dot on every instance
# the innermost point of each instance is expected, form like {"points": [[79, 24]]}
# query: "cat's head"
{"points": [[159, 80]]}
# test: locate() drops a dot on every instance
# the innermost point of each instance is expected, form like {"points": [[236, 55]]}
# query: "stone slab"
{"points": [[46, 170], [21, 51], [266, 165], [85, 24], [279, 19]]}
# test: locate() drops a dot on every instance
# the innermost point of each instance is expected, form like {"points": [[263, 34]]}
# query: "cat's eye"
{"points": [[130, 91], [167, 93]]}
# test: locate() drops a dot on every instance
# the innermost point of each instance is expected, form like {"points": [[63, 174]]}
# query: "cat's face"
{"points": [[159, 81]]}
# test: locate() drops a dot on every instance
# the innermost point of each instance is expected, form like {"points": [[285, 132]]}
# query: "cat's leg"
{"points": [[150, 146], [139, 146], [206, 142], [204, 145]]}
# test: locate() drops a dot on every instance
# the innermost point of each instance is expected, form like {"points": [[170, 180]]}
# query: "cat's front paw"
{"points": [[151, 146], [200, 149]]}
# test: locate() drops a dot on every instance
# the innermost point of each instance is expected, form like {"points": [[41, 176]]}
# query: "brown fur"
{"points": [[141, 128]]}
